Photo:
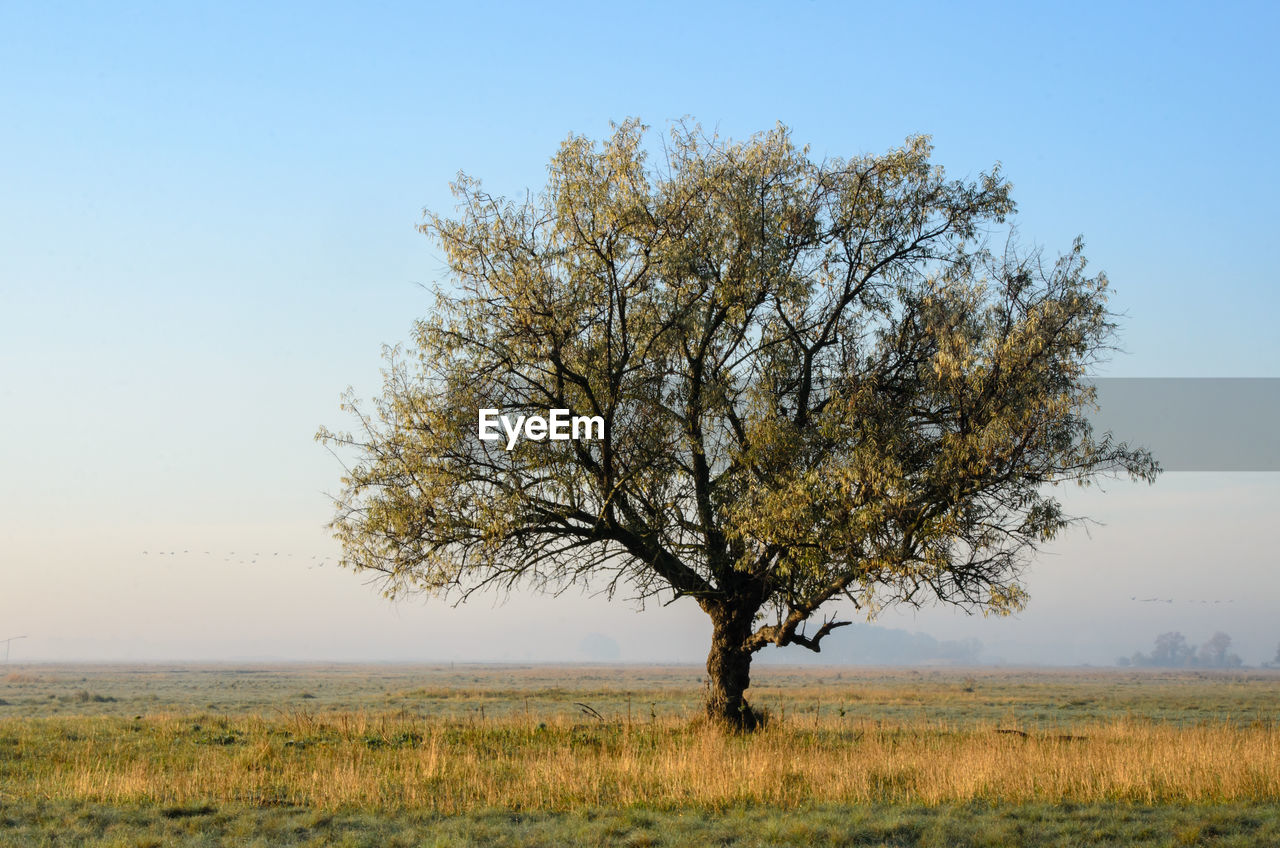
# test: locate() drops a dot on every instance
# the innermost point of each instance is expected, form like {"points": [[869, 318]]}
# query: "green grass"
{"points": [[945, 826], [1027, 696]]}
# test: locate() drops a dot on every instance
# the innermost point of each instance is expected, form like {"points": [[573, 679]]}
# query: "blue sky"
{"points": [[207, 221]]}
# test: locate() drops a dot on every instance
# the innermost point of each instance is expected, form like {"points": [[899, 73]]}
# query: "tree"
{"points": [[1172, 650], [819, 388], [1213, 653]]}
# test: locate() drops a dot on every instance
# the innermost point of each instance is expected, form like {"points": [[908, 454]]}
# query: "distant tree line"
{"points": [[1172, 651], [869, 644]]}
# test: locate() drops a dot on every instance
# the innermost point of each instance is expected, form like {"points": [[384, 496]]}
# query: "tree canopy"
{"points": [[820, 384]]}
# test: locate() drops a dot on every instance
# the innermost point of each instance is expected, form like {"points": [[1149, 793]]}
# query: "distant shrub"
{"points": [[84, 696], [187, 812]]}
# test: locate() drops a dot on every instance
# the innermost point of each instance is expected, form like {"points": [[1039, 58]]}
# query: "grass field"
{"points": [[393, 755]]}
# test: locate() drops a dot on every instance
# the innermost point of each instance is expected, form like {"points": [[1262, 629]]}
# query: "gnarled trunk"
{"points": [[729, 670]]}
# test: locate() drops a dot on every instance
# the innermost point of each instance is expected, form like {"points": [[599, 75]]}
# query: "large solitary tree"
{"points": [[822, 389]]}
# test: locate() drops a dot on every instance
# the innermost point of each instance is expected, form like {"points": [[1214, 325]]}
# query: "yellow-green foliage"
{"points": [[819, 383]]}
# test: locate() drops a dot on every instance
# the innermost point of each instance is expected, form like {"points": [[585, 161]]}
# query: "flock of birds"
{"points": [[1171, 600], [230, 556]]}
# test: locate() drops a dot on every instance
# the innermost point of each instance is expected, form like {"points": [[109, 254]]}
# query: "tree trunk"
{"points": [[729, 671]]}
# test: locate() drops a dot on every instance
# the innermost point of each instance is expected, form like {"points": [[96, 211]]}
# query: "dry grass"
{"points": [[391, 761], [383, 756]]}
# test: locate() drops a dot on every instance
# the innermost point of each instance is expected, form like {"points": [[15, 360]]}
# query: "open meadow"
{"points": [[553, 755]]}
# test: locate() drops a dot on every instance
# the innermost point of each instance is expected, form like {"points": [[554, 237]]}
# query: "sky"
{"points": [[207, 232]]}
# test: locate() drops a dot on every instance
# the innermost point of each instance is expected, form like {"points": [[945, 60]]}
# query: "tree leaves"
{"points": [[818, 382]]}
